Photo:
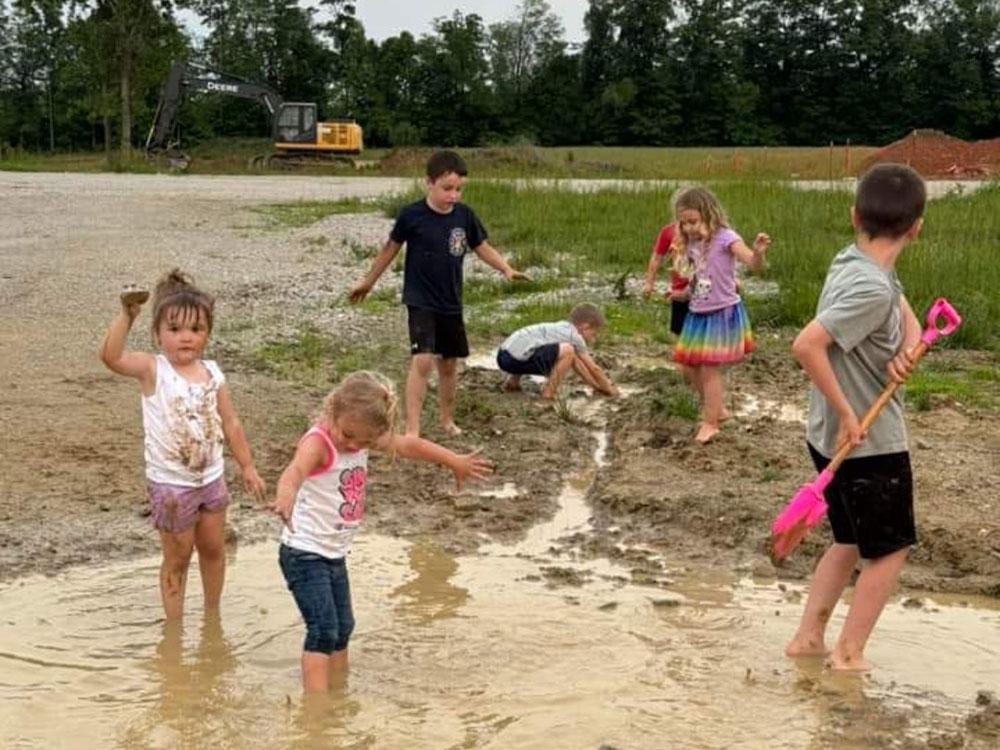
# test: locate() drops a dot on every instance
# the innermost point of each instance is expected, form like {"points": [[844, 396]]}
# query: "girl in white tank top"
{"points": [[321, 499], [187, 414]]}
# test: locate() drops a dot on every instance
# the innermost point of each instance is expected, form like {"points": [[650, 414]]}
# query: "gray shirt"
{"points": [[524, 341], [860, 308]]}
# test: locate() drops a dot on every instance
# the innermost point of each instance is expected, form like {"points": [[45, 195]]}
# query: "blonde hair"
{"points": [[369, 396], [709, 209], [176, 291]]}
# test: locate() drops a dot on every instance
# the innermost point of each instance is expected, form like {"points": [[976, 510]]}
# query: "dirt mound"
{"points": [[936, 154]]}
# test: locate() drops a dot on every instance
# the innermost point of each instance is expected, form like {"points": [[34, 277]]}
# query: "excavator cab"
{"points": [[296, 123]]}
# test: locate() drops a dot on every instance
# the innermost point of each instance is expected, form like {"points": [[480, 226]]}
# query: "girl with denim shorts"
{"points": [[187, 414], [321, 498]]}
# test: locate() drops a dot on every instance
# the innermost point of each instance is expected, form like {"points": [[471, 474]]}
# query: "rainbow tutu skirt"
{"points": [[722, 337]]}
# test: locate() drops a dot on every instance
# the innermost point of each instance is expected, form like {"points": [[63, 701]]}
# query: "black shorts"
{"points": [[541, 361], [678, 311], [871, 503], [437, 333]]}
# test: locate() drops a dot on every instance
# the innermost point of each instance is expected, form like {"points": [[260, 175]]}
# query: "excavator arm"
{"points": [[190, 77]]}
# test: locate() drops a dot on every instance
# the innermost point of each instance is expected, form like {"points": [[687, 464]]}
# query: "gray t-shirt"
{"points": [[524, 341], [860, 308]]}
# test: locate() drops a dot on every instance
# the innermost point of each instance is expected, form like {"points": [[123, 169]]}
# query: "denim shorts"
{"points": [[323, 595]]}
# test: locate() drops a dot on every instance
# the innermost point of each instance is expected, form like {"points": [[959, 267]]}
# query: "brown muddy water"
{"points": [[523, 646]]}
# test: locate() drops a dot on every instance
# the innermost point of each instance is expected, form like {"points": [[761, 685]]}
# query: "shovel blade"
{"points": [[802, 513]]}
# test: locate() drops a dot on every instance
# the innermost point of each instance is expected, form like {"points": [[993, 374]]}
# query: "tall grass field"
{"points": [[609, 233]]}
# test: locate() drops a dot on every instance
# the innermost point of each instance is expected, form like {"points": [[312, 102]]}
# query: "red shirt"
{"points": [[662, 247]]}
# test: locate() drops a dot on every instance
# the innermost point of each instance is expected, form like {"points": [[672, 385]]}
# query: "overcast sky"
{"points": [[385, 18]]}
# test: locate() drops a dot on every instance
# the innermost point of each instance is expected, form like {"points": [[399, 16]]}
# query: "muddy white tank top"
{"points": [[183, 428], [330, 503]]}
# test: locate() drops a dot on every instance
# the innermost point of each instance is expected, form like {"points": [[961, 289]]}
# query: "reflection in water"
{"points": [[188, 698], [430, 595]]}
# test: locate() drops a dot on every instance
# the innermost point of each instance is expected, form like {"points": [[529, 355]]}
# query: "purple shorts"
{"points": [[175, 508]]}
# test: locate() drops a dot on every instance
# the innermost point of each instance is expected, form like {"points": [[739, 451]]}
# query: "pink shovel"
{"points": [[806, 509]]}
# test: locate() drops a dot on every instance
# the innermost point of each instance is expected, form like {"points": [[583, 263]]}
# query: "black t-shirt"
{"points": [[436, 245]]}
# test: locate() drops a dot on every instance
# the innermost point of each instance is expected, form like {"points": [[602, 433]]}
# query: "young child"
{"points": [[187, 413], [321, 498], [716, 329], [668, 244], [862, 336], [553, 349], [438, 232]]}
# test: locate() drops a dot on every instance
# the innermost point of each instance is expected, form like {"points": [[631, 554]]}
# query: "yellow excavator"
{"points": [[298, 137]]}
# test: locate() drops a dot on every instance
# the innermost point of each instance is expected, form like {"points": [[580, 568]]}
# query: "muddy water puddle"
{"points": [[523, 646]]}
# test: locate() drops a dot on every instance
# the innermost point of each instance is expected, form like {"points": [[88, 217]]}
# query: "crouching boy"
{"points": [[553, 349]]}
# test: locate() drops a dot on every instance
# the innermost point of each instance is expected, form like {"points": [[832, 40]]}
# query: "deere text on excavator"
{"points": [[298, 137]]}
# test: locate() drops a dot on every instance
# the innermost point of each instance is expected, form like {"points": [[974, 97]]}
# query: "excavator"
{"points": [[298, 137]]}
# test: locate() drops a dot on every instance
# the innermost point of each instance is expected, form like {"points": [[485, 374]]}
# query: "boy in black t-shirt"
{"points": [[438, 232]]}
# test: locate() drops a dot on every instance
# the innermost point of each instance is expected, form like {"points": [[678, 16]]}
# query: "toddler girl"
{"points": [[321, 498], [187, 413]]}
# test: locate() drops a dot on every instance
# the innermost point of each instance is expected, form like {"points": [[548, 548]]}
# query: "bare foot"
{"points": [[725, 416], [511, 384], [451, 428], [843, 663], [548, 395], [706, 432], [806, 647]]}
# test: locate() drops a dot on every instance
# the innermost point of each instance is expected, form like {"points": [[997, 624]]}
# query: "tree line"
{"points": [[86, 74]]}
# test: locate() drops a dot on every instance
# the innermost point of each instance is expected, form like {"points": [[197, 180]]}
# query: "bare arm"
{"points": [[652, 267], [810, 349], [138, 365], [900, 366], [382, 261], [236, 438], [463, 466], [753, 258], [593, 375], [491, 257], [310, 455]]}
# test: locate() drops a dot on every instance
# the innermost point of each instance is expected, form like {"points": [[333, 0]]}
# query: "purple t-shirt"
{"points": [[714, 284]]}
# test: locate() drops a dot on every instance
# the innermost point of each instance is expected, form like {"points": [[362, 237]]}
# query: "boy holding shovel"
{"points": [[863, 335]]}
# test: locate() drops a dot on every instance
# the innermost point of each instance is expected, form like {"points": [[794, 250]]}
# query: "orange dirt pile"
{"points": [[935, 154]]}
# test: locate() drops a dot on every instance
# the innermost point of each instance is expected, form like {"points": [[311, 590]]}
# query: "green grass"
{"points": [[317, 360], [305, 213], [936, 380], [608, 233], [234, 156]]}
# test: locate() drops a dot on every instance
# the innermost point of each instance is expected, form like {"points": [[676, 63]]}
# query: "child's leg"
{"points": [[210, 541], [564, 362], [177, 549], [710, 380], [315, 671], [831, 576], [416, 390], [875, 585], [447, 385]]}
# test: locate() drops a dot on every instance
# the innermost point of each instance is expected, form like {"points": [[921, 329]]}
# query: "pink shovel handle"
{"points": [[940, 309]]}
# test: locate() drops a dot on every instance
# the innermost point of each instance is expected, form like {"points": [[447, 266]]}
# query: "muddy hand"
{"points": [[133, 298], [472, 465]]}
